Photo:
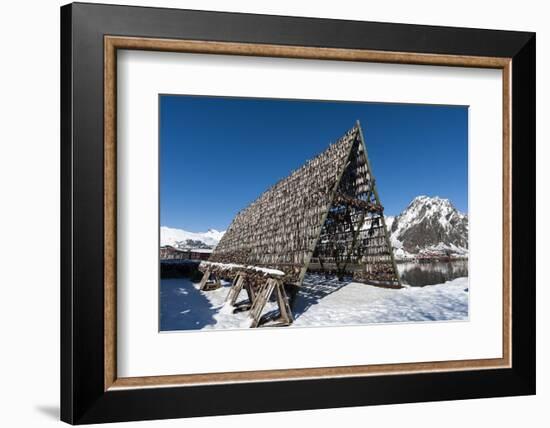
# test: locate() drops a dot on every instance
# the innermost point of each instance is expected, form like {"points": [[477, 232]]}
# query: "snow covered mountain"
{"points": [[184, 239], [429, 225]]}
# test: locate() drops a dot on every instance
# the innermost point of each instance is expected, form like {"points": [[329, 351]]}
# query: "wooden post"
{"points": [[235, 289], [263, 296], [250, 292], [204, 280], [207, 285], [266, 290], [284, 306]]}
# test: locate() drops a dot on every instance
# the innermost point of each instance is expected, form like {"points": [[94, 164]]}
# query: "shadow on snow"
{"points": [[315, 288], [183, 307]]}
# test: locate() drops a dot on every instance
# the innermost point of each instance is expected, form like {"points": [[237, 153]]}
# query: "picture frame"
{"points": [[91, 35]]}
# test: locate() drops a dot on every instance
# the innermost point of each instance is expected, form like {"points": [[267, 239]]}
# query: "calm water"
{"points": [[420, 274]]}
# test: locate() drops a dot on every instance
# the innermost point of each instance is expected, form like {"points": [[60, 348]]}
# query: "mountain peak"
{"points": [[430, 199], [430, 222]]}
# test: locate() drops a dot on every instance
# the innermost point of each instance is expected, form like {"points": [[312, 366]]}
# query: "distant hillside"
{"points": [[183, 239]]}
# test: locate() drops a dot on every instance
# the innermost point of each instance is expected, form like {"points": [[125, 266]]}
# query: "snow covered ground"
{"points": [[320, 302]]}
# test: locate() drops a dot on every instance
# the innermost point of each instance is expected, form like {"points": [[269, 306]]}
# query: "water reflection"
{"points": [[420, 274]]}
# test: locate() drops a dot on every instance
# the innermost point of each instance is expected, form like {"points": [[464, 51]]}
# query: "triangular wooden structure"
{"points": [[326, 216]]}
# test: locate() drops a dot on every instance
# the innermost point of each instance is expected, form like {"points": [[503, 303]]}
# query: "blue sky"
{"points": [[219, 154]]}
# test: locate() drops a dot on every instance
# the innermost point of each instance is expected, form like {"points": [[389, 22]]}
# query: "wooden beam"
{"points": [[204, 280]]}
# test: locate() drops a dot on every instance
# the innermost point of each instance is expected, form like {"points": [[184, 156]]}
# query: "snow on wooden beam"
{"points": [[234, 267]]}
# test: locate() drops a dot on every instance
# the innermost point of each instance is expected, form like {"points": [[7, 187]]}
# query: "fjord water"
{"points": [[421, 274]]}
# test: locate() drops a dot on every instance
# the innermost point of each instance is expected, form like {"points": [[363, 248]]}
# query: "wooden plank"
{"points": [[204, 279], [235, 289], [261, 301], [284, 306]]}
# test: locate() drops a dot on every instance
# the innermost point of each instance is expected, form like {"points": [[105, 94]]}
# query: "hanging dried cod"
{"points": [[326, 216]]}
